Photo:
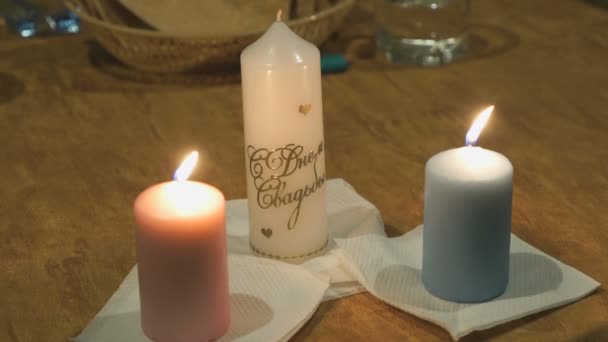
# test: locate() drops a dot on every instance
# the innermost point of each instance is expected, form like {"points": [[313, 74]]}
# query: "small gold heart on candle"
{"points": [[267, 232], [305, 108]]}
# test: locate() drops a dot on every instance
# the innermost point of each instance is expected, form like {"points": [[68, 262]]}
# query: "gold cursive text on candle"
{"points": [[271, 169]]}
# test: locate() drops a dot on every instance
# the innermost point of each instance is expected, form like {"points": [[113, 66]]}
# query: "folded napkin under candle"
{"points": [[269, 301], [390, 270], [291, 293], [349, 215]]}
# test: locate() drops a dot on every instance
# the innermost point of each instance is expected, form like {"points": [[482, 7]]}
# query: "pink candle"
{"points": [[182, 259]]}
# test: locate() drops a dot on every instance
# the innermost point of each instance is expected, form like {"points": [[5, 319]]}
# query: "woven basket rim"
{"points": [[72, 6]]}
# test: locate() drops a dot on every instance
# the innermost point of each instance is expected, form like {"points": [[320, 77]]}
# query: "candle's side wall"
{"points": [[467, 231], [284, 151], [182, 267]]}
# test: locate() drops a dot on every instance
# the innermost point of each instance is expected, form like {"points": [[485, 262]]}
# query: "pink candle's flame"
{"points": [[478, 125], [185, 169]]}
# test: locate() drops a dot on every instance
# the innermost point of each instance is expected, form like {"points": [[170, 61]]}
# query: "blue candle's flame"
{"points": [[185, 169], [478, 125]]}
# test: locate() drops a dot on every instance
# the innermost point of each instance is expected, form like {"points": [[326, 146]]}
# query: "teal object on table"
{"points": [[331, 63]]}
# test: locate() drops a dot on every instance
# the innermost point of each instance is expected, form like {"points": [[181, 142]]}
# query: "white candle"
{"points": [[284, 148], [182, 259], [467, 221]]}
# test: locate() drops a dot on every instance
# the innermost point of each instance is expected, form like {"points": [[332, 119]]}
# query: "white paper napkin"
{"points": [[272, 300], [349, 215], [289, 291], [269, 301], [390, 269]]}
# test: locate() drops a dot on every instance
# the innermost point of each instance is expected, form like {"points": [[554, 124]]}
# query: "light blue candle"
{"points": [[467, 221]]}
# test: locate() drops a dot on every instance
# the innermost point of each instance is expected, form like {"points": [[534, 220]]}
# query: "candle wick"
{"points": [[280, 15]]}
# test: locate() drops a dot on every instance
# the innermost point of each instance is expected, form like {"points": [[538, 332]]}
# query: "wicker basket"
{"points": [[154, 51]]}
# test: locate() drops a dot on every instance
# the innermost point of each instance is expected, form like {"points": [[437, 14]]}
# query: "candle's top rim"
{"points": [[470, 164], [279, 45], [177, 201]]}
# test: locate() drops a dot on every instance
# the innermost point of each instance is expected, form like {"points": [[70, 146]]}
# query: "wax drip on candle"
{"points": [[187, 166], [280, 15], [477, 126]]}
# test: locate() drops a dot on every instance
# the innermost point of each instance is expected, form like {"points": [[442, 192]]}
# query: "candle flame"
{"points": [[185, 169], [478, 125]]}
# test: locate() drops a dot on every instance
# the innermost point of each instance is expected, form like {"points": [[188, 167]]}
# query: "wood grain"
{"points": [[77, 145]]}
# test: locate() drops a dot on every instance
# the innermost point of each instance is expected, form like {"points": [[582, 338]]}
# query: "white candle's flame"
{"points": [[185, 169], [478, 125]]}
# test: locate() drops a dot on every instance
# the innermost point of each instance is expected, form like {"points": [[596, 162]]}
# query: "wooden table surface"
{"points": [[77, 145]]}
